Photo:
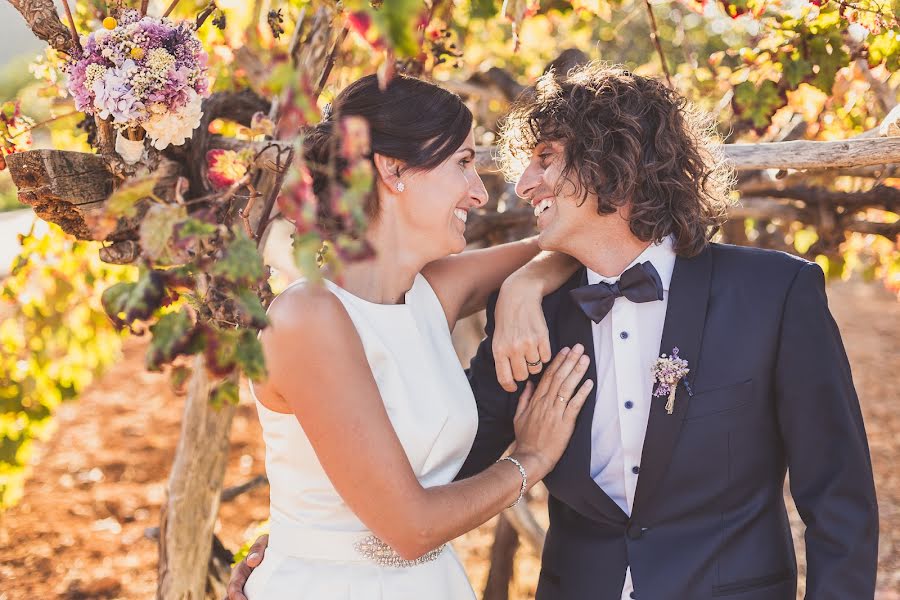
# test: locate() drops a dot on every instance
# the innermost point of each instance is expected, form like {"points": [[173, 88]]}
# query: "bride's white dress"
{"points": [[312, 543]]}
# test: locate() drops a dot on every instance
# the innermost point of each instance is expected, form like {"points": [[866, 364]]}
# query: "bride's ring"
{"points": [[532, 364], [561, 399]]}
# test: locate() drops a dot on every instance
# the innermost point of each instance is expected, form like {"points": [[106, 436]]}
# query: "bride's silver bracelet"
{"points": [[524, 479]]}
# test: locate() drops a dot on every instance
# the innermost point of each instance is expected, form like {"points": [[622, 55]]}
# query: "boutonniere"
{"points": [[667, 372]]}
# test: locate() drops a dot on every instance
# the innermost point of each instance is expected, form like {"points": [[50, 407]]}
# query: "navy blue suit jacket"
{"points": [[770, 391]]}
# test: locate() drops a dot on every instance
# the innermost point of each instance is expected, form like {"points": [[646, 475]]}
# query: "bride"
{"points": [[366, 412]]}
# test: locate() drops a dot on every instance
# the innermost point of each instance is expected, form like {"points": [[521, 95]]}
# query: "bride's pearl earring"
{"points": [[400, 186]]}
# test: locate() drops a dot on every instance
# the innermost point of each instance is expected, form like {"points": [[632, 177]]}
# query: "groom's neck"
{"points": [[607, 247]]}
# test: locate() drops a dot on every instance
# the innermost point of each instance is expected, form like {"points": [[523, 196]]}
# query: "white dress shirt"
{"points": [[626, 344]]}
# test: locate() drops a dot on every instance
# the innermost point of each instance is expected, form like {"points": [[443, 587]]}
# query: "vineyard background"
{"points": [[88, 436]]}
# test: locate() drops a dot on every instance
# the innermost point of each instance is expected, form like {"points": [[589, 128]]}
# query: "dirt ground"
{"points": [[99, 480]]}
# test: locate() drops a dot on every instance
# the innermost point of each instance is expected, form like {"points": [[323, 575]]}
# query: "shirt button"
{"points": [[629, 404], [624, 335], [635, 470]]}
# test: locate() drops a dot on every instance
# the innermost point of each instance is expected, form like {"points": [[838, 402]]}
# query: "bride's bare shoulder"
{"points": [[305, 307]]}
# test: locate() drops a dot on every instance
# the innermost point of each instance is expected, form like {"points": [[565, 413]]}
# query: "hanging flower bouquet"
{"points": [[148, 74]]}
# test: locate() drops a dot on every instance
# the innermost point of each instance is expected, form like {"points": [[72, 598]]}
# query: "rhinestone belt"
{"points": [[377, 551]]}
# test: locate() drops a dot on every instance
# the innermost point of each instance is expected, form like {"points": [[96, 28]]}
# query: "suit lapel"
{"points": [[571, 480], [685, 318]]}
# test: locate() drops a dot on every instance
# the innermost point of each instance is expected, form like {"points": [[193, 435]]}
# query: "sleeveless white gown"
{"points": [[311, 553]]}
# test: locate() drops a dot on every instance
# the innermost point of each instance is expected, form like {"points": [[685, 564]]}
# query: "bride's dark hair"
{"points": [[411, 120]]}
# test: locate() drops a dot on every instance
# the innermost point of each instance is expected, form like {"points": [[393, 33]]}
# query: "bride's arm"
{"points": [[464, 281], [317, 365]]}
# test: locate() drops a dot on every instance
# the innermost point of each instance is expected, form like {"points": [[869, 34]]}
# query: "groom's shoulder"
{"points": [[755, 264]]}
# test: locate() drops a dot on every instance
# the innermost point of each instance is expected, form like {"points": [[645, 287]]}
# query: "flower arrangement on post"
{"points": [[148, 74]]}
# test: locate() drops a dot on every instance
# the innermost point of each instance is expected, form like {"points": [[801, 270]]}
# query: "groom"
{"points": [[682, 501]]}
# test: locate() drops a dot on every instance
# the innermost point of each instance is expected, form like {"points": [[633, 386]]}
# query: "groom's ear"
{"points": [[388, 169]]}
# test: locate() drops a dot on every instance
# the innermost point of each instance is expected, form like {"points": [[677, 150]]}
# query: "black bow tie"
{"points": [[640, 283]]}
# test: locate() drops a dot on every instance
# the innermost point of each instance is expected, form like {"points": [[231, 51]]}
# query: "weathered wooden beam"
{"points": [[842, 154], [480, 225], [749, 207], [813, 155], [62, 187], [69, 189]]}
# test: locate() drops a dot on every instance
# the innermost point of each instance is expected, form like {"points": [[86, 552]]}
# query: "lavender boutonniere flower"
{"points": [[667, 372]]}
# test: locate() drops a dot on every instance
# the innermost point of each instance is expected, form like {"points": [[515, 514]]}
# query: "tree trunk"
{"points": [[193, 495]]}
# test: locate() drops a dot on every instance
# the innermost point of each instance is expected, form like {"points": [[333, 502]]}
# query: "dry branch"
{"points": [[234, 106], [654, 36], [229, 494], [888, 230], [787, 211], [887, 97], [529, 530], [880, 196], [43, 20]]}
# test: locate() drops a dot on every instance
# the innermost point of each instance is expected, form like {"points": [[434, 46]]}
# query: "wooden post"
{"points": [[503, 553], [193, 495]]}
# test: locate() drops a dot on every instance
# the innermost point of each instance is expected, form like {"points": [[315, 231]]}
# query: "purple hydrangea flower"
{"points": [[146, 67]]}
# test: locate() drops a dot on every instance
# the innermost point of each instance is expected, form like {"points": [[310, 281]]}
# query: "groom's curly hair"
{"points": [[630, 140]]}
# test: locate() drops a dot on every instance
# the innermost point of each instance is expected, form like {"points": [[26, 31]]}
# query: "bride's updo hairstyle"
{"points": [[411, 120]]}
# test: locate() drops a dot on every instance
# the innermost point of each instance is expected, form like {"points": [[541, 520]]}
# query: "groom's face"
{"points": [[561, 211]]}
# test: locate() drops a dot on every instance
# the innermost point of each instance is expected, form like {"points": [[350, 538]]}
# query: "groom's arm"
{"points": [[825, 441], [496, 406]]}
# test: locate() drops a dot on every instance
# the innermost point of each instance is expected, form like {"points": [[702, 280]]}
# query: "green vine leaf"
{"points": [[127, 302], [156, 232], [174, 334], [249, 355], [225, 392], [241, 263], [230, 349], [220, 350], [482, 9], [398, 23], [123, 201], [179, 377], [829, 57], [305, 247], [757, 104], [885, 48], [251, 308], [795, 70]]}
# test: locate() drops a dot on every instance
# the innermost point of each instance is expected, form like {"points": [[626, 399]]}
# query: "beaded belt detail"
{"points": [[374, 549]]}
